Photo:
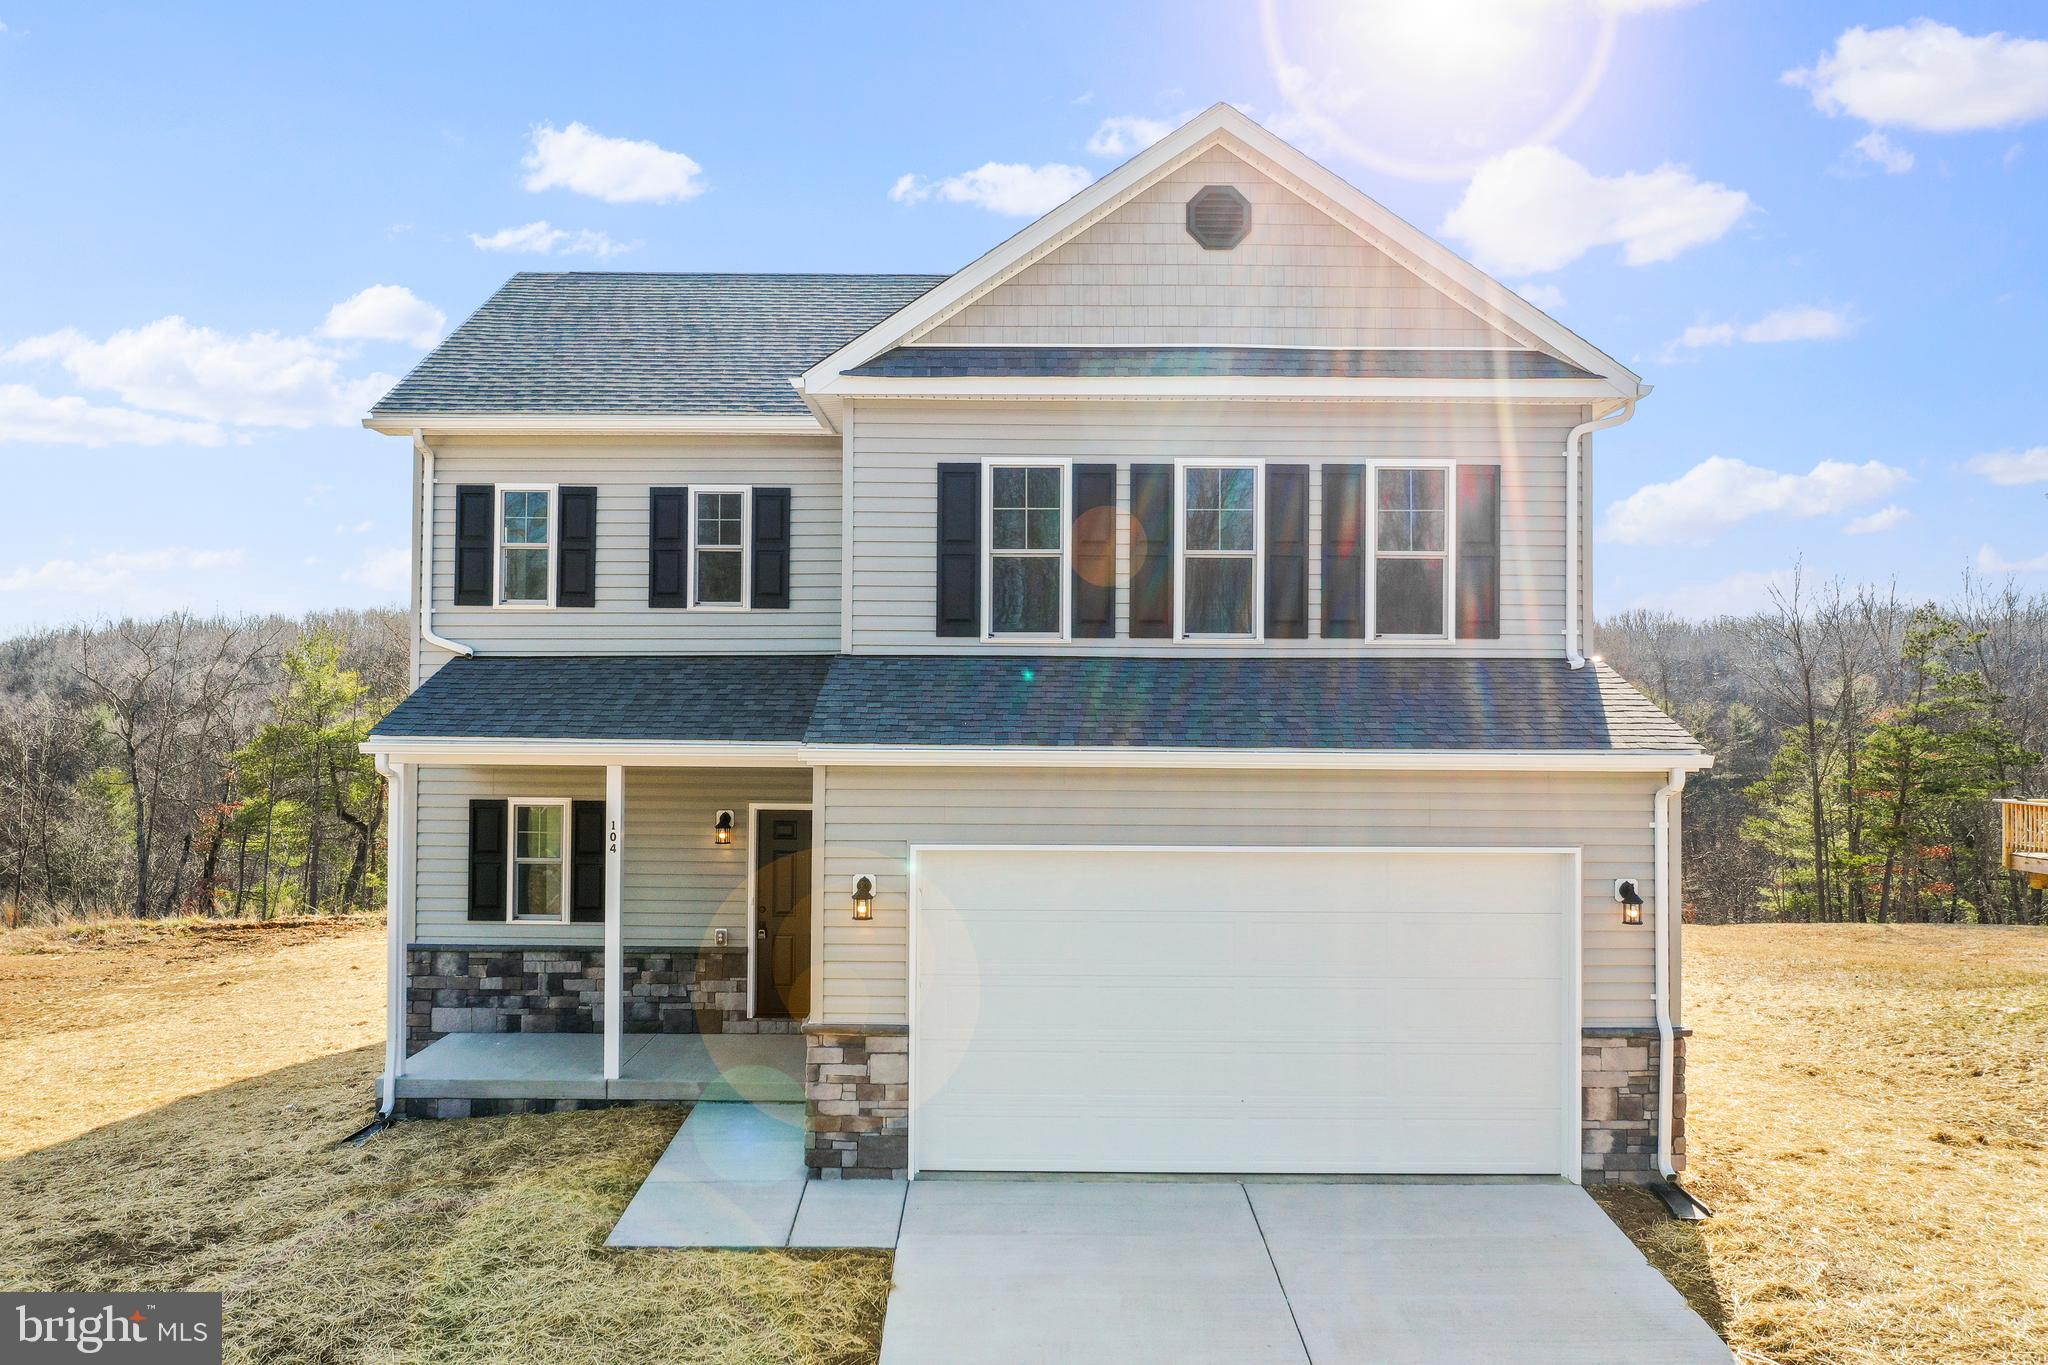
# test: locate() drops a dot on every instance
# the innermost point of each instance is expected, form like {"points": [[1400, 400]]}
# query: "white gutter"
{"points": [[1668, 903], [426, 603], [1574, 446], [397, 890]]}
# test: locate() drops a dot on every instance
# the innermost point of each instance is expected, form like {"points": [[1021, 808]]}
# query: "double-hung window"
{"points": [[1027, 540], [539, 866], [1219, 577], [526, 546], [1411, 558], [718, 546]]}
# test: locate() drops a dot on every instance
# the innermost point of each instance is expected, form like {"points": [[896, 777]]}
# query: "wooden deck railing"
{"points": [[2026, 835]]}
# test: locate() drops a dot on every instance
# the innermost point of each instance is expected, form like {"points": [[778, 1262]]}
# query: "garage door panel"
{"points": [[1264, 1010]]}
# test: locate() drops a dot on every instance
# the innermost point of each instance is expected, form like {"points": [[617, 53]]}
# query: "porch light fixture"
{"points": [[864, 897], [1631, 900], [721, 830]]}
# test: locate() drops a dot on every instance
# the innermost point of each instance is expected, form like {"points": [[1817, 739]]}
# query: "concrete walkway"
{"points": [[733, 1176], [1200, 1271]]}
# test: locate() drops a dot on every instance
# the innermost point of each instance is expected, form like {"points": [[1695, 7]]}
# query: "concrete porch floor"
{"points": [[763, 1068]]}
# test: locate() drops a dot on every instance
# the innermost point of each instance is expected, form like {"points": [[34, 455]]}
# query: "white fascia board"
{"points": [[1391, 760], [1222, 124], [643, 753], [521, 424], [1574, 391]]}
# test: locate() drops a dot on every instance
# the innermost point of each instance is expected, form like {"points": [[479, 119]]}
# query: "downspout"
{"points": [[1667, 872], [426, 530], [1574, 446]]}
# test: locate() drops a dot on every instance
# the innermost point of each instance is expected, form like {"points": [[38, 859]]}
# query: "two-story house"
{"points": [[1122, 706]]}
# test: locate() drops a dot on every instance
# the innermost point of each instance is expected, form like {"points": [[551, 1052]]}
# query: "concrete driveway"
{"points": [[1077, 1271]]}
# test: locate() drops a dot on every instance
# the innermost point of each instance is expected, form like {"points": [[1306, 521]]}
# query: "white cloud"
{"points": [[615, 169], [1991, 561], [1720, 492], [115, 572], [543, 239], [1127, 134], [1803, 323], [2013, 467], [1736, 595], [261, 379], [1535, 209], [1548, 297], [386, 570], [28, 416], [385, 312], [1875, 149], [1883, 519], [1929, 76], [1009, 188]]}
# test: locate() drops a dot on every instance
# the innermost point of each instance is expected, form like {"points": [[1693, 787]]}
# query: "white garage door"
{"points": [[1281, 1010]]}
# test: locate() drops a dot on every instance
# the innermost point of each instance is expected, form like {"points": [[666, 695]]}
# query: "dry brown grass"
{"points": [[1869, 1122], [183, 1106]]}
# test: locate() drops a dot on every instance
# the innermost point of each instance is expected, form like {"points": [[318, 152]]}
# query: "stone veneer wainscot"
{"points": [[857, 1096], [1618, 1117]]}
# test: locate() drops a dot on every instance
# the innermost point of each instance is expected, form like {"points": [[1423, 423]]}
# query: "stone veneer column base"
{"points": [[1618, 1114], [857, 1101]]}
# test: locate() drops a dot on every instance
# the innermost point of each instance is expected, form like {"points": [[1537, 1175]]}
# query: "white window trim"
{"points": [[512, 805], [1449, 554], [1257, 465], [989, 633], [745, 547], [498, 546]]}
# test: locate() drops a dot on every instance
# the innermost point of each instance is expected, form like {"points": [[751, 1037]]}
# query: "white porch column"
{"points": [[614, 926], [398, 879]]}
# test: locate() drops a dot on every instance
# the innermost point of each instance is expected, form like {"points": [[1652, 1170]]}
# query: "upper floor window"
{"points": [[526, 546], [718, 533], [1411, 536], [538, 873], [1219, 574], [1027, 540]]}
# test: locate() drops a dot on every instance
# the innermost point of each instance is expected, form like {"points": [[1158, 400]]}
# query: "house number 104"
{"points": [[612, 836]]}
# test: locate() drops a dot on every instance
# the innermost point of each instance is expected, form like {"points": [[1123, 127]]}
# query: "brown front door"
{"points": [[782, 914]]}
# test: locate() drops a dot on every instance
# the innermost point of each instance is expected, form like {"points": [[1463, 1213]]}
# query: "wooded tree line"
{"points": [[189, 765], [1861, 741]]}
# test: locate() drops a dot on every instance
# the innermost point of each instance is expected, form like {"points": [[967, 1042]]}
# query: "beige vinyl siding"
{"points": [[874, 815], [622, 471], [680, 886], [1135, 278], [898, 446]]}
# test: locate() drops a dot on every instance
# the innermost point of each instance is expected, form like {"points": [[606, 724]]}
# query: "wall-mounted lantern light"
{"points": [[863, 897], [1631, 900], [721, 829]]}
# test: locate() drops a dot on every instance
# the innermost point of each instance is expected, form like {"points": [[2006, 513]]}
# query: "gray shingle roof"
{"points": [[1205, 362], [716, 698], [637, 344], [1094, 701]]}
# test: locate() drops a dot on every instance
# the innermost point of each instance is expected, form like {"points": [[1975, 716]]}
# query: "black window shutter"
{"points": [[487, 862], [576, 547], [1345, 546], [1479, 552], [1287, 552], [1094, 551], [1152, 551], [959, 582], [771, 547], [475, 526], [668, 547], [586, 859]]}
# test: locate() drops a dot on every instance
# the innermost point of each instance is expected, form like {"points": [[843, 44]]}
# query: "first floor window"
{"points": [[1219, 560], [720, 533], [538, 876], [525, 545], [1410, 533], [1027, 549]]}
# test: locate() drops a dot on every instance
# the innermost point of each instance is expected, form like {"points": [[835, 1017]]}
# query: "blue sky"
{"points": [[1834, 279]]}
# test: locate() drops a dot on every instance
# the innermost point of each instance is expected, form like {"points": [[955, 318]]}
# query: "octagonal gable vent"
{"points": [[1218, 217]]}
